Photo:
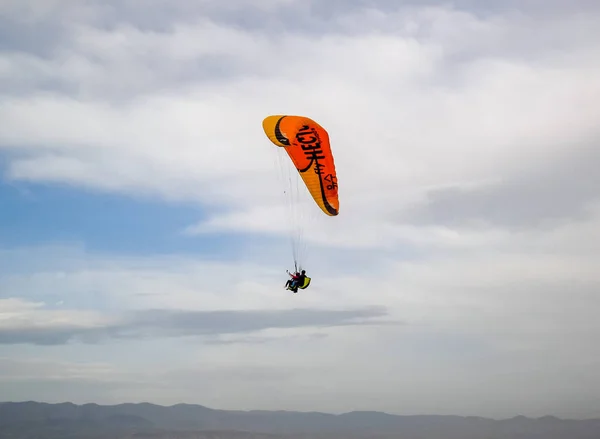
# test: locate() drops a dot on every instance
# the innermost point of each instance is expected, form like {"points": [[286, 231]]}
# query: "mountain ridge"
{"points": [[144, 419], [311, 412]]}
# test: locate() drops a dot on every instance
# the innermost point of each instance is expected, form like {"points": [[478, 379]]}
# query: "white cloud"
{"points": [[18, 314], [32, 369], [393, 135], [181, 140]]}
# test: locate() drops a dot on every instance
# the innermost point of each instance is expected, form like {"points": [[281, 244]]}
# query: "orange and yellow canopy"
{"points": [[307, 144]]}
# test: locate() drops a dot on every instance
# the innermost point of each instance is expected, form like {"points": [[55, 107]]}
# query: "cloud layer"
{"points": [[24, 323], [466, 144]]}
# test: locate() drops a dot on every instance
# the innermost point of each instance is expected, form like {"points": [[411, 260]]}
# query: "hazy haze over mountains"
{"points": [[24, 420]]}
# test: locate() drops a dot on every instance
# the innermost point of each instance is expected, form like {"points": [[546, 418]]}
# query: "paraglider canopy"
{"points": [[307, 144]]}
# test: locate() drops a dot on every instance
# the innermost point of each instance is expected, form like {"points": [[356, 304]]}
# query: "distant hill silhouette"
{"points": [[25, 420]]}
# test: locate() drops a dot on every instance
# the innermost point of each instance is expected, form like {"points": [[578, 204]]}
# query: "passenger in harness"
{"points": [[298, 280]]}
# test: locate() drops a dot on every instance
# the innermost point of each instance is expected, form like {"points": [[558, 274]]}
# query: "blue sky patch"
{"points": [[43, 214]]}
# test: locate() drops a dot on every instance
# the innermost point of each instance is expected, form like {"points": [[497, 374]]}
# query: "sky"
{"points": [[143, 233]]}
